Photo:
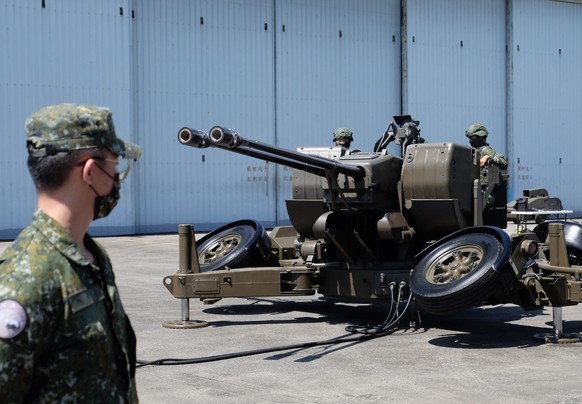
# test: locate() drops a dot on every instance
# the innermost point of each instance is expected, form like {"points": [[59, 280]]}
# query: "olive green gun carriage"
{"points": [[373, 226]]}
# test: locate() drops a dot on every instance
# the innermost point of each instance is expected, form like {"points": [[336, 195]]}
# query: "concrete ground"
{"points": [[483, 355]]}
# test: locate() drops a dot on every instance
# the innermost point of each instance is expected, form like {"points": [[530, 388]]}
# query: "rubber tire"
{"points": [[469, 290], [251, 246]]}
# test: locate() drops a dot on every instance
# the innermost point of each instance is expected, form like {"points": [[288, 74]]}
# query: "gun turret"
{"points": [[363, 182], [400, 193]]}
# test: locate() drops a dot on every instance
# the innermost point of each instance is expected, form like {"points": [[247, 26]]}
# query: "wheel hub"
{"points": [[454, 264], [219, 249]]}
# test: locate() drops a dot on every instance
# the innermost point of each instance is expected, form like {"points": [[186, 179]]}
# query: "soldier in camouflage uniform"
{"points": [[477, 135], [343, 137], [64, 336]]}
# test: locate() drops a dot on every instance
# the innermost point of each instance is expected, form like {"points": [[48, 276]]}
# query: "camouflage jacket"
{"points": [[496, 158], [77, 344]]}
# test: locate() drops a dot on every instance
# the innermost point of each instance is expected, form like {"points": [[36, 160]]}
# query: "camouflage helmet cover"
{"points": [[342, 133], [476, 130], [67, 127]]}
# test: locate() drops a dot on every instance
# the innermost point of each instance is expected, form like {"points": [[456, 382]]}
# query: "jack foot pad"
{"points": [[558, 339], [184, 324]]}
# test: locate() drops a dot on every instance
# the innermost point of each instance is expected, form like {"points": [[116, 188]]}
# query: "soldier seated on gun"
{"points": [[343, 137], [477, 135]]}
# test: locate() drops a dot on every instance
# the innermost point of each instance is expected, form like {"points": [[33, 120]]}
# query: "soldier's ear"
{"points": [[88, 171]]}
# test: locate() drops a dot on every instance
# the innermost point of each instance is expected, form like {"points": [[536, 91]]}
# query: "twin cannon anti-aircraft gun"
{"points": [[377, 227]]}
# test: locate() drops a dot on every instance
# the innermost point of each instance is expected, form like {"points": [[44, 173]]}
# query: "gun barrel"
{"points": [[193, 138], [277, 159], [231, 140], [199, 139]]}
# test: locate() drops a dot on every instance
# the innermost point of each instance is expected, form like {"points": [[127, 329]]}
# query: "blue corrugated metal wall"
{"points": [[337, 65], [68, 51], [201, 64], [547, 99], [456, 68], [287, 72]]}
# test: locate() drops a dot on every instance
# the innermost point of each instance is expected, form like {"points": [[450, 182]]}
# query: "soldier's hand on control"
{"points": [[483, 161]]}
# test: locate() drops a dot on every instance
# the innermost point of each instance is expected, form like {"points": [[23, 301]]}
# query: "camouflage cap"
{"points": [[67, 127], [342, 133], [476, 130]]}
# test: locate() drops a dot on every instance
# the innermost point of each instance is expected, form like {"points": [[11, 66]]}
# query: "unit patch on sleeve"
{"points": [[12, 319]]}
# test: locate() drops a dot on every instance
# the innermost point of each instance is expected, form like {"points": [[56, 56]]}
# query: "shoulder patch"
{"points": [[12, 319]]}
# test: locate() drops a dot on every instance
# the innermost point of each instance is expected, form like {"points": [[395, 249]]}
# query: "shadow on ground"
{"points": [[477, 328]]}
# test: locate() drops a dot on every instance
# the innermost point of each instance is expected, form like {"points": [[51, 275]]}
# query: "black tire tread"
{"points": [[454, 297]]}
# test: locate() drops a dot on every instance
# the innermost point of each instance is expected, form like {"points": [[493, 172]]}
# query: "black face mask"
{"points": [[478, 142], [105, 204]]}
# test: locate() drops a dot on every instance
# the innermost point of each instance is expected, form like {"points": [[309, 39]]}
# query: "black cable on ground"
{"points": [[366, 333], [174, 361]]}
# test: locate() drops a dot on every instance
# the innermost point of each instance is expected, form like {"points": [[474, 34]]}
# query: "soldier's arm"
{"points": [[499, 160], [26, 326], [495, 158]]}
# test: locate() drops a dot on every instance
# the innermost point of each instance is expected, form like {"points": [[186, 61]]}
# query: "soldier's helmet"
{"points": [[477, 130], [342, 133], [68, 127]]}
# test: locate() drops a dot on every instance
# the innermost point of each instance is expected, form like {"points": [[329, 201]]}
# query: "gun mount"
{"points": [[366, 225]]}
